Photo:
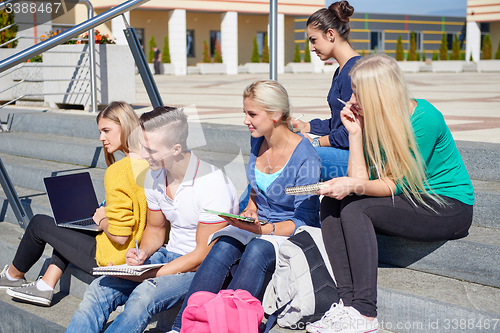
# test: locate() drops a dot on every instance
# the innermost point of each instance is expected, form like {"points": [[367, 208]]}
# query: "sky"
{"points": [[411, 7]]}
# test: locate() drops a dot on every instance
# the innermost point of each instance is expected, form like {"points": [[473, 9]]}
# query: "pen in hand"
{"points": [[302, 115], [137, 251], [345, 103]]}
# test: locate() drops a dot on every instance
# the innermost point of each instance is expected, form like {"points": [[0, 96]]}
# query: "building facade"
{"points": [[190, 23], [379, 32], [483, 17]]}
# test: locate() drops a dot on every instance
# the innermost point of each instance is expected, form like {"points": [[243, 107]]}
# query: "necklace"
{"points": [[269, 163]]}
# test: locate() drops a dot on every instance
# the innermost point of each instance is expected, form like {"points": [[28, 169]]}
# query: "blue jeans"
{"points": [[333, 162], [142, 300], [257, 258]]}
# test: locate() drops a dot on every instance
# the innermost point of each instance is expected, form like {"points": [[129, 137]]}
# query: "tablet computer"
{"points": [[238, 217]]}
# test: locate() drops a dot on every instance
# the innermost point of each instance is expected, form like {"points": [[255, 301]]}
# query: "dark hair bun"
{"points": [[342, 10]]}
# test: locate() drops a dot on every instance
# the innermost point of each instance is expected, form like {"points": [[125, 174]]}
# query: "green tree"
{"points": [[307, 53], [7, 19], [265, 51], [455, 50], [423, 55], [151, 53], [487, 47], [400, 52], [255, 51], [363, 53], [296, 54], [443, 50], [217, 52], [497, 54], [412, 53], [418, 56], [435, 55], [206, 53], [165, 53]]}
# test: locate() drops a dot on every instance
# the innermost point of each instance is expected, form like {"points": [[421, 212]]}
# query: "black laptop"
{"points": [[73, 200]]}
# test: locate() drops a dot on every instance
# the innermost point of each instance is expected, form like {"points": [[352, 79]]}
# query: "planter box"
{"points": [[410, 66], [453, 66], [168, 69], [115, 78], [301, 67], [217, 68], [488, 66], [257, 67]]}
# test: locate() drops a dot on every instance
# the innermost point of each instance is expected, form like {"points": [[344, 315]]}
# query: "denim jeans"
{"points": [[333, 162], [142, 300], [255, 259]]}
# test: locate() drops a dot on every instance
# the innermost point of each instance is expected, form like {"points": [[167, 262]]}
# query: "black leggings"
{"points": [[349, 228], [70, 245]]}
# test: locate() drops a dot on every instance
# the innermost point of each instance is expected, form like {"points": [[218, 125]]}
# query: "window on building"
{"points": [[419, 40], [190, 43], [485, 27], [214, 36], [140, 35], [449, 40], [261, 36], [377, 40]]}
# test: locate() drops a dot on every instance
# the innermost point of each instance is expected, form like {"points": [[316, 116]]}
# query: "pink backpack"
{"points": [[228, 311]]}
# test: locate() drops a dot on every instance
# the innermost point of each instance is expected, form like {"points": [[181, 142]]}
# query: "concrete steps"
{"points": [[421, 285]]}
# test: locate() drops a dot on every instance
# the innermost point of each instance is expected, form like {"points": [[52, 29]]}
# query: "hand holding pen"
{"points": [[353, 109], [137, 251]]}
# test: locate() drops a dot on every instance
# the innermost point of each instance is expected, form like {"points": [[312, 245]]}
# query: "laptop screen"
{"points": [[72, 197]]}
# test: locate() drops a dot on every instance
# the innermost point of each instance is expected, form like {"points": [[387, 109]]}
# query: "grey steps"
{"points": [[470, 259], [57, 123], [486, 206], [64, 149], [480, 159], [34, 202], [29, 173]]}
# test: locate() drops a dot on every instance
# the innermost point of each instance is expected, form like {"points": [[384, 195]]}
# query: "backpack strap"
{"points": [[324, 287], [216, 314], [272, 318]]}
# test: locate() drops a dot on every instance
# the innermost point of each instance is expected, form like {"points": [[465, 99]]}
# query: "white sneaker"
{"points": [[336, 312], [352, 322]]}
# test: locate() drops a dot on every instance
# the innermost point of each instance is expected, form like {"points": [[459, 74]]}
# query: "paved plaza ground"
{"points": [[470, 102]]}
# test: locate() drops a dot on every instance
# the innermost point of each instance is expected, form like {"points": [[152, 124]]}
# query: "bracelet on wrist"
{"points": [[274, 228], [99, 224]]}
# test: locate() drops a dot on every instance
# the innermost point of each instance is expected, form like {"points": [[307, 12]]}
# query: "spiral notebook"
{"points": [[124, 269], [304, 189]]}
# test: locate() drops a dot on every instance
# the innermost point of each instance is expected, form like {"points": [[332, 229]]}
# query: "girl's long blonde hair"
{"points": [[122, 114], [389, 141]]}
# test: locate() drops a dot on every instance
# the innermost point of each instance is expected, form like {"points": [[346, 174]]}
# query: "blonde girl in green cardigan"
{"points": [[122, 219]]}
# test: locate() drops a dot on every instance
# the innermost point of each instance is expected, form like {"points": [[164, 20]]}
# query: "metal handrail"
{"points": [[15, 84], [7, 27], [10, 41], [68, 34]]}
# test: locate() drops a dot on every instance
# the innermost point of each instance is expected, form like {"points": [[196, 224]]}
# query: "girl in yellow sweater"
{"points": [[122, 219]]}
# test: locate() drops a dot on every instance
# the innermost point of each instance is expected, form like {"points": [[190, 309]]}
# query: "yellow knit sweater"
{"points": [[126, 208]]}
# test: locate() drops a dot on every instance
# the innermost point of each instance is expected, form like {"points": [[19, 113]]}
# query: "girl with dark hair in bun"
{"points": [[328, 32]]}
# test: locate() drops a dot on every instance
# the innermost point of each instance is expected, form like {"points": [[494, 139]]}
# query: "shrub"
{"points": [[363, 53], [10, 33], [217, 52], [151, 53], [443, 50], [296, 54], [423, 55], [165, 53], [435, 55], [487, 47], [255, 51], [455, 53], [400, 52], [497, 54], [265, 51], [412, 53], [206, 53], [307, 52]]}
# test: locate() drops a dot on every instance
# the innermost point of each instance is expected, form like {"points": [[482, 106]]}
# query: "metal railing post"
{"points": [[93, 86], [273, 40]]}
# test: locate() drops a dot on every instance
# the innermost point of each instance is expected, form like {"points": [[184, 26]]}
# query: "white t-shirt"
{"points": [[203, 187]]}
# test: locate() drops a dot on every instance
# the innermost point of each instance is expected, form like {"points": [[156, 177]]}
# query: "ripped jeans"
{"points": [[142, 300]]}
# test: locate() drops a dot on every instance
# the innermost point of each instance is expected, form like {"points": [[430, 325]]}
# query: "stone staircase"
{"points": [[423, 287]]}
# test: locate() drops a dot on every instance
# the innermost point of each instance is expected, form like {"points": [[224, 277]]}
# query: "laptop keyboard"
{"points": [[89, 221]]}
